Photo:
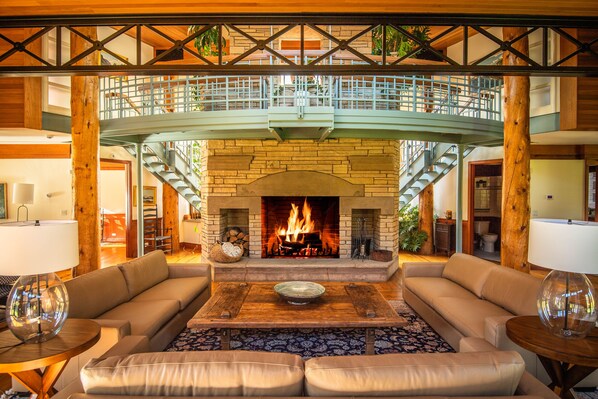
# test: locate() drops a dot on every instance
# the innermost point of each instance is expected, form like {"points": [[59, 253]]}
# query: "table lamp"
{"points": [[22, 193], [37, 305], [567, 299]]}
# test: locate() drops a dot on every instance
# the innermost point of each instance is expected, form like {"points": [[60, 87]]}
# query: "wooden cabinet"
{"points": [[444, 236]]}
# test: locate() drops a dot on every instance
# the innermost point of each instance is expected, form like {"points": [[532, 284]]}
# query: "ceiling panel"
{"points": [[583, 8]]}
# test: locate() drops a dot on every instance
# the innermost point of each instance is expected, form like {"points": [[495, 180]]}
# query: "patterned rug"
{"points": [[416, 337]]}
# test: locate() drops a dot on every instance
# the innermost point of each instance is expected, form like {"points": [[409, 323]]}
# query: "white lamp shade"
{"points": [[29, 249], [22, 193], [556, 244]]}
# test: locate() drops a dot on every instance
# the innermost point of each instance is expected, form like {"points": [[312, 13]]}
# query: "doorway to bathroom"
{"points": [[484, 208]]}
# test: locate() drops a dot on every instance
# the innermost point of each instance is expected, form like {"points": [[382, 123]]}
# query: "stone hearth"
{"points": [[362, 174]]}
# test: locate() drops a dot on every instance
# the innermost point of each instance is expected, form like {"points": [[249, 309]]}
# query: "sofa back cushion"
{"points": [[145, 272], [217, 373], [96, 292], [468, 271], [512, 290], [447, 374]]}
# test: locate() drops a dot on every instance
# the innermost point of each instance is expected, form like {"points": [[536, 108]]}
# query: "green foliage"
{"points": [[396, 42], [410, 238], [207, 43]]}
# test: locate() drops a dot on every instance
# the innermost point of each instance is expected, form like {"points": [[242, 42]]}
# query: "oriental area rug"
{"points": [[416, 337]]}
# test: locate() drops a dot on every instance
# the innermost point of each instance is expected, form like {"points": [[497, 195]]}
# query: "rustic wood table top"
{"points": [[76, 336], [257, 305], [529, 333]]}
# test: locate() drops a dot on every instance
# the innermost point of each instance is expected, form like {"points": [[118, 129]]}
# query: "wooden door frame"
{"points": [[129, 248], [589, 162], [471, 193]]}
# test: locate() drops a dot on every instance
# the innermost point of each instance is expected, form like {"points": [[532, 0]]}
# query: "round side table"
{"points": [[567, 361], [25, 361]]}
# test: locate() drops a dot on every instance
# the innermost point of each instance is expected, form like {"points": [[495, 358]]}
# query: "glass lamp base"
{"points": [[566, 304], [37, 307]]}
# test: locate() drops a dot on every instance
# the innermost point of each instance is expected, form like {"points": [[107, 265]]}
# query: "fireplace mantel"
{"points": [[301, 183]]}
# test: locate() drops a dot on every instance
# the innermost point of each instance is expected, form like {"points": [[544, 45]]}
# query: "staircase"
{"points": [[424, 163], [174, 166]]}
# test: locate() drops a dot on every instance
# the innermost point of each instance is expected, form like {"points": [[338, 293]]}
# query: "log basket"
{"points": [[218, 255]]}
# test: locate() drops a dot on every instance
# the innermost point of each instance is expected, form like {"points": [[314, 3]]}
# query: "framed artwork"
{"points": [[3, 204], [149, 195]]}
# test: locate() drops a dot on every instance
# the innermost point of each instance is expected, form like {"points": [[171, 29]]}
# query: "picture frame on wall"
{"points": [[3, 204], [149, 195]]}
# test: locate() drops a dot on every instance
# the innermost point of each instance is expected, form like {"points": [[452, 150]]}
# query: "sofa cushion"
{"points": [[145, 272], [513, 290], [146, 317], [468, 271], [184, 290], [430, 288], [446, 374], [467, 315], [95, 293], [217, 373]]}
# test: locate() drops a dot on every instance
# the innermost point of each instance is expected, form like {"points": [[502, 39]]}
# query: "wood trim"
{"points": [[563, 151], [130, 243], [471, 199], [35, 151]]}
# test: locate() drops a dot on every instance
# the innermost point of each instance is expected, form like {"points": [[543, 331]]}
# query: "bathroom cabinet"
{"points": [[444, 236]]}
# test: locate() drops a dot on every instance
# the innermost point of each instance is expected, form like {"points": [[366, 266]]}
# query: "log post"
{"points": [[516, 169], [170, 213], [85, 129], [426, 218]]}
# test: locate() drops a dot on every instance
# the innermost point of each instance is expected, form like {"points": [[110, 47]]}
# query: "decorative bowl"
{"points": [[299, 292]]}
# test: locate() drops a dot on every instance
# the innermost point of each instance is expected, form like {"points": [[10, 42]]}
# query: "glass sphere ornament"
{"points": [[567, 304], [37, 307]]}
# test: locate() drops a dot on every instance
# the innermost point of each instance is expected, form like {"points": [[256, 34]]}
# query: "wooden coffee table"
{"points": [[256, 305]]}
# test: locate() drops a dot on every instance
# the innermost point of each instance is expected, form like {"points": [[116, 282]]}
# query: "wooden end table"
{"points": [[567, 361], [25, 361], [257, 305]]}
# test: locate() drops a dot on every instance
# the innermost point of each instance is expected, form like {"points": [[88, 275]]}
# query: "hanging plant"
{"points": [[396, 42], [207, 43]]}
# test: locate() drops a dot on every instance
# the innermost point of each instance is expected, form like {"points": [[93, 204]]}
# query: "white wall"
{"points": [[113, 191], [565, 181], [49, 176], [445, 189]]}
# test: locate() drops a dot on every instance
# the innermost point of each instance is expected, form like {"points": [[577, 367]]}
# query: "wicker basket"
{"points": [[218, 255]]}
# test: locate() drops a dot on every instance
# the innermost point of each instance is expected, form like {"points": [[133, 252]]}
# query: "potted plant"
{"points": [[399, 44], [207, 43]]}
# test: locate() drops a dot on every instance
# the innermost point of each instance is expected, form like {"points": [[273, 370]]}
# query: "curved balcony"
{"points": [[464, 110]]}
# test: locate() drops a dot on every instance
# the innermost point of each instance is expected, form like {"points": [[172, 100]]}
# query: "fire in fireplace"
{"points": [[300, 227]]}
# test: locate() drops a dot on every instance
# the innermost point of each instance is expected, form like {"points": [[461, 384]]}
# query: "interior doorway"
{"points": [[484, 208], [115, 203]]}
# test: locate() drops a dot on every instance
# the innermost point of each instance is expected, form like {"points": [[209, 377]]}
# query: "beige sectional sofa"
{"points": [[122, 374], [143, 297], [470, 297]]}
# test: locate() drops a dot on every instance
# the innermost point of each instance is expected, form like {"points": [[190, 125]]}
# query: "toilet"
{"points": [[487, 239]]}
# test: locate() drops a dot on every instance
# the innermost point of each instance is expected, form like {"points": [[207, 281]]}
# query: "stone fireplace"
{"points": [[349, 188]]}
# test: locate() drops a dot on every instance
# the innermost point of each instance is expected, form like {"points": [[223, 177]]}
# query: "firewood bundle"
{"points": [[237, 236]]}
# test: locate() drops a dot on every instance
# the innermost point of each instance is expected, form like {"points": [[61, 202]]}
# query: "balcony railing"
{"points": [[476, 97]]}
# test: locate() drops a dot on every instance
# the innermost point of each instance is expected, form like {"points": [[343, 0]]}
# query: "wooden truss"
{"points": [[263, 57]]}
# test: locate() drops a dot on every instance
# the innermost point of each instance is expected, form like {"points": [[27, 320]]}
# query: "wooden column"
{"points": [[516, 169], [85, 128], [426, 218], [170, 213]]}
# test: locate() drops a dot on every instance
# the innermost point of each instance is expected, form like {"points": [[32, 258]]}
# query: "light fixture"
{"points": [[567, 299], [37, 305], [22, 193]]}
